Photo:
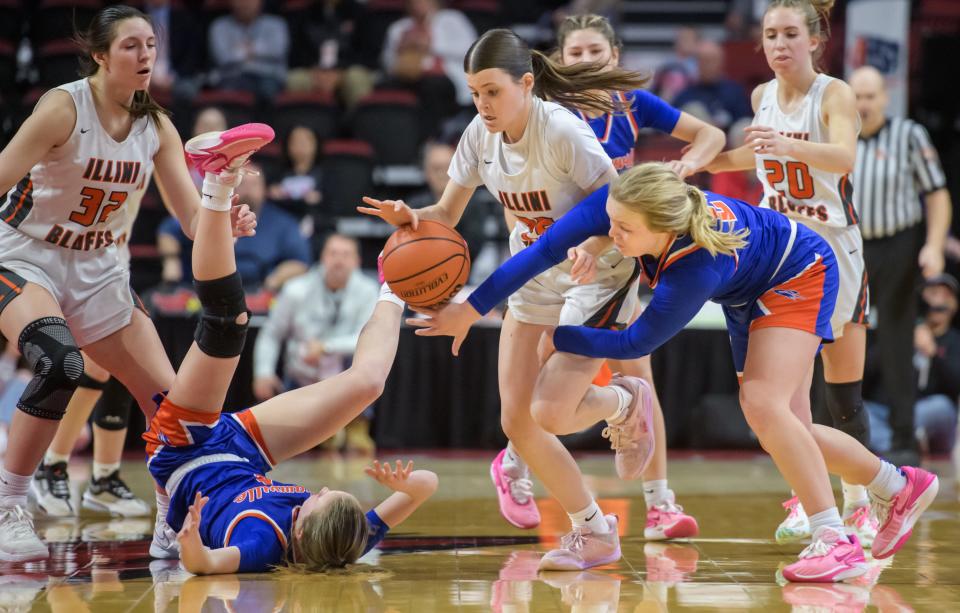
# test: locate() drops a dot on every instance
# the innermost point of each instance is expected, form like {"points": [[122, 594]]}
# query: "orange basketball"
{"points": [[426, 267]]}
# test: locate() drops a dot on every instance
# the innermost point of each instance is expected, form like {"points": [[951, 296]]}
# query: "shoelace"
{"points": [[881, 508], [573, 540], [817, 548], [117, 487], [668, 507], [860, 517], [19, 522], [791, 505], [618, 438], [521, 490], [59, 483]]}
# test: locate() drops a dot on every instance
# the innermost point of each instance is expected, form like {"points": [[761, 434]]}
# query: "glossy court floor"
{"points": [[457, 553]]}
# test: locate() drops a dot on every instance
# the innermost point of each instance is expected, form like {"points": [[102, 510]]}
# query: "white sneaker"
{"points": [[18, 539], [796, 526], [111, 495], [164, 545], [861, 521], [50, 490]]}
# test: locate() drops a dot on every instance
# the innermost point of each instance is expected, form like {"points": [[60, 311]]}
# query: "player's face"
{"points": [[630, 233], [787, 43], [500, 99], [132, 54], [589, 45]]}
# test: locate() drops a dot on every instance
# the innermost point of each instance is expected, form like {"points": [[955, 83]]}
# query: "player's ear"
{"points": [[526, 81]]}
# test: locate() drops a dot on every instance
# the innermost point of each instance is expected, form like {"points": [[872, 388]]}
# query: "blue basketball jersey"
{"points": [[618, 132], [684, 277]]}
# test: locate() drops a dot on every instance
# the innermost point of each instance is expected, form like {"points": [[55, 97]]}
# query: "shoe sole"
{"points": [[607, 560], [493, 477], [92, 504], [853, 572], [207, 158], [920, 505]]}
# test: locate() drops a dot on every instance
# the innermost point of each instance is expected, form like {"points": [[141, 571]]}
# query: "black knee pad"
{"points": [[90, 383], [112, 411], [845, 403], [51, 351], [222, 300]]}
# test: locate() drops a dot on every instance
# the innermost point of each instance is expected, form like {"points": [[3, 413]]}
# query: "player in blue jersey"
{"points": [[777, 282], [230, 516], [591, 38]]}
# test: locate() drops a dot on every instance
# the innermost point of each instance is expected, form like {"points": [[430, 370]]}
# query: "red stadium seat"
{"points": [[390, 121], [317, 111], [347, 168]]}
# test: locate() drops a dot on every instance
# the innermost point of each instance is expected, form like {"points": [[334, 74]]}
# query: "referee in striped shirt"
{"points": [[896, 179]]}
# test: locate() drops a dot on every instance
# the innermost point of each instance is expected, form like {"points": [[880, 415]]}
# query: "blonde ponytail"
{"points": [[670, 205]]}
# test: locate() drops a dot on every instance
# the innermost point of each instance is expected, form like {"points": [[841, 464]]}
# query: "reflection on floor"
{"points": [[457, 553]]}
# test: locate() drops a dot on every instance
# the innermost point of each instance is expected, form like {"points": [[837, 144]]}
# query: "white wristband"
{"points": [[387, 295]]}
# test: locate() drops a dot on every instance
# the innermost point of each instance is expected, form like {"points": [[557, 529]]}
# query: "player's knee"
{"points": [[112, 411], [222, 329], [513, 424], [757, 409], [547, 415], [845, 404], [50, 349]]}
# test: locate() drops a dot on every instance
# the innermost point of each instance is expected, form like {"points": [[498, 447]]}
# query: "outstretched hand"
{"points": [[453, 320], [394, 478], [190, 532], [394, 212]]}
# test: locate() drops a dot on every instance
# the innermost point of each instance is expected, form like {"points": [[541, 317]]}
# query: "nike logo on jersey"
{"points": [[851, 252], [488, 161], [84, 131]]}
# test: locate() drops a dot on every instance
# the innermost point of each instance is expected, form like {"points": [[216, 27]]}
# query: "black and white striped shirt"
{"points": [[895, 167]]}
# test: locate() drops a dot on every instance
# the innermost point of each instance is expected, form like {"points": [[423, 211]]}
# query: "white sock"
{"points": [[163, 505], [624, 398], [217, 190], [590, 518], [888, 482], [854, 496], [13, 488], [387, 295], [512, 463], [655, 492], [827, 519], [104, 470], [51, 457]]}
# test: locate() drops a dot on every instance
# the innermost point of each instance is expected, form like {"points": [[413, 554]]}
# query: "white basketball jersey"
{"points": [[797, 190], [79, 195], [538, 178]]}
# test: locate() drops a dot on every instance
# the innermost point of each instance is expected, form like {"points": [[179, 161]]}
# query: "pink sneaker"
{"points": [[668, 521], [515, 496], [830, 558], [227, 150], [862, 523], [632, 437], [581, 549], [898, 515]]}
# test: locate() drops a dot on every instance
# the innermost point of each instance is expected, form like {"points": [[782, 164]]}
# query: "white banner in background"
{"points": [[878, 35]]}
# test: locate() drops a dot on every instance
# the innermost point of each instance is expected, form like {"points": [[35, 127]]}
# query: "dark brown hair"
{"points": [[583, 86], [97, 39], [598, 23]]}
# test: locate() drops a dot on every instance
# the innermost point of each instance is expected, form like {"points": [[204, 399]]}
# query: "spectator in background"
{"points": [[424, 51], [741, 184], [249, 49], [276, 253], [679, 72], [209, 119], [316, 321], [323, 53], [937, 363], [299, 187], [437, 156], [180, 53], [725, 100]]}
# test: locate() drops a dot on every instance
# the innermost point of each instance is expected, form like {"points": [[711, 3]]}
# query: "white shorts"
{"points": [[853, 295], [552, 299], [91, 287]]}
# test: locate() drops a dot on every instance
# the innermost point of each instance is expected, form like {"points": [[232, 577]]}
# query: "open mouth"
{"points": [[145, 71]]}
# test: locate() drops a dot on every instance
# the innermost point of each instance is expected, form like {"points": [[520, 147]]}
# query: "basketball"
{"points": [[428, 266]]}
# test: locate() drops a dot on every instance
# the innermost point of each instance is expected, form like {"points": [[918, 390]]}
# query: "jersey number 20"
{"points": [[93, 209], [797, 174]]}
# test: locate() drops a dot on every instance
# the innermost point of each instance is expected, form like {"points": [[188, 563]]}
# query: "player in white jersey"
{"points": [[540, 159], [109, 402], [803, 143], [87, 148]]}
